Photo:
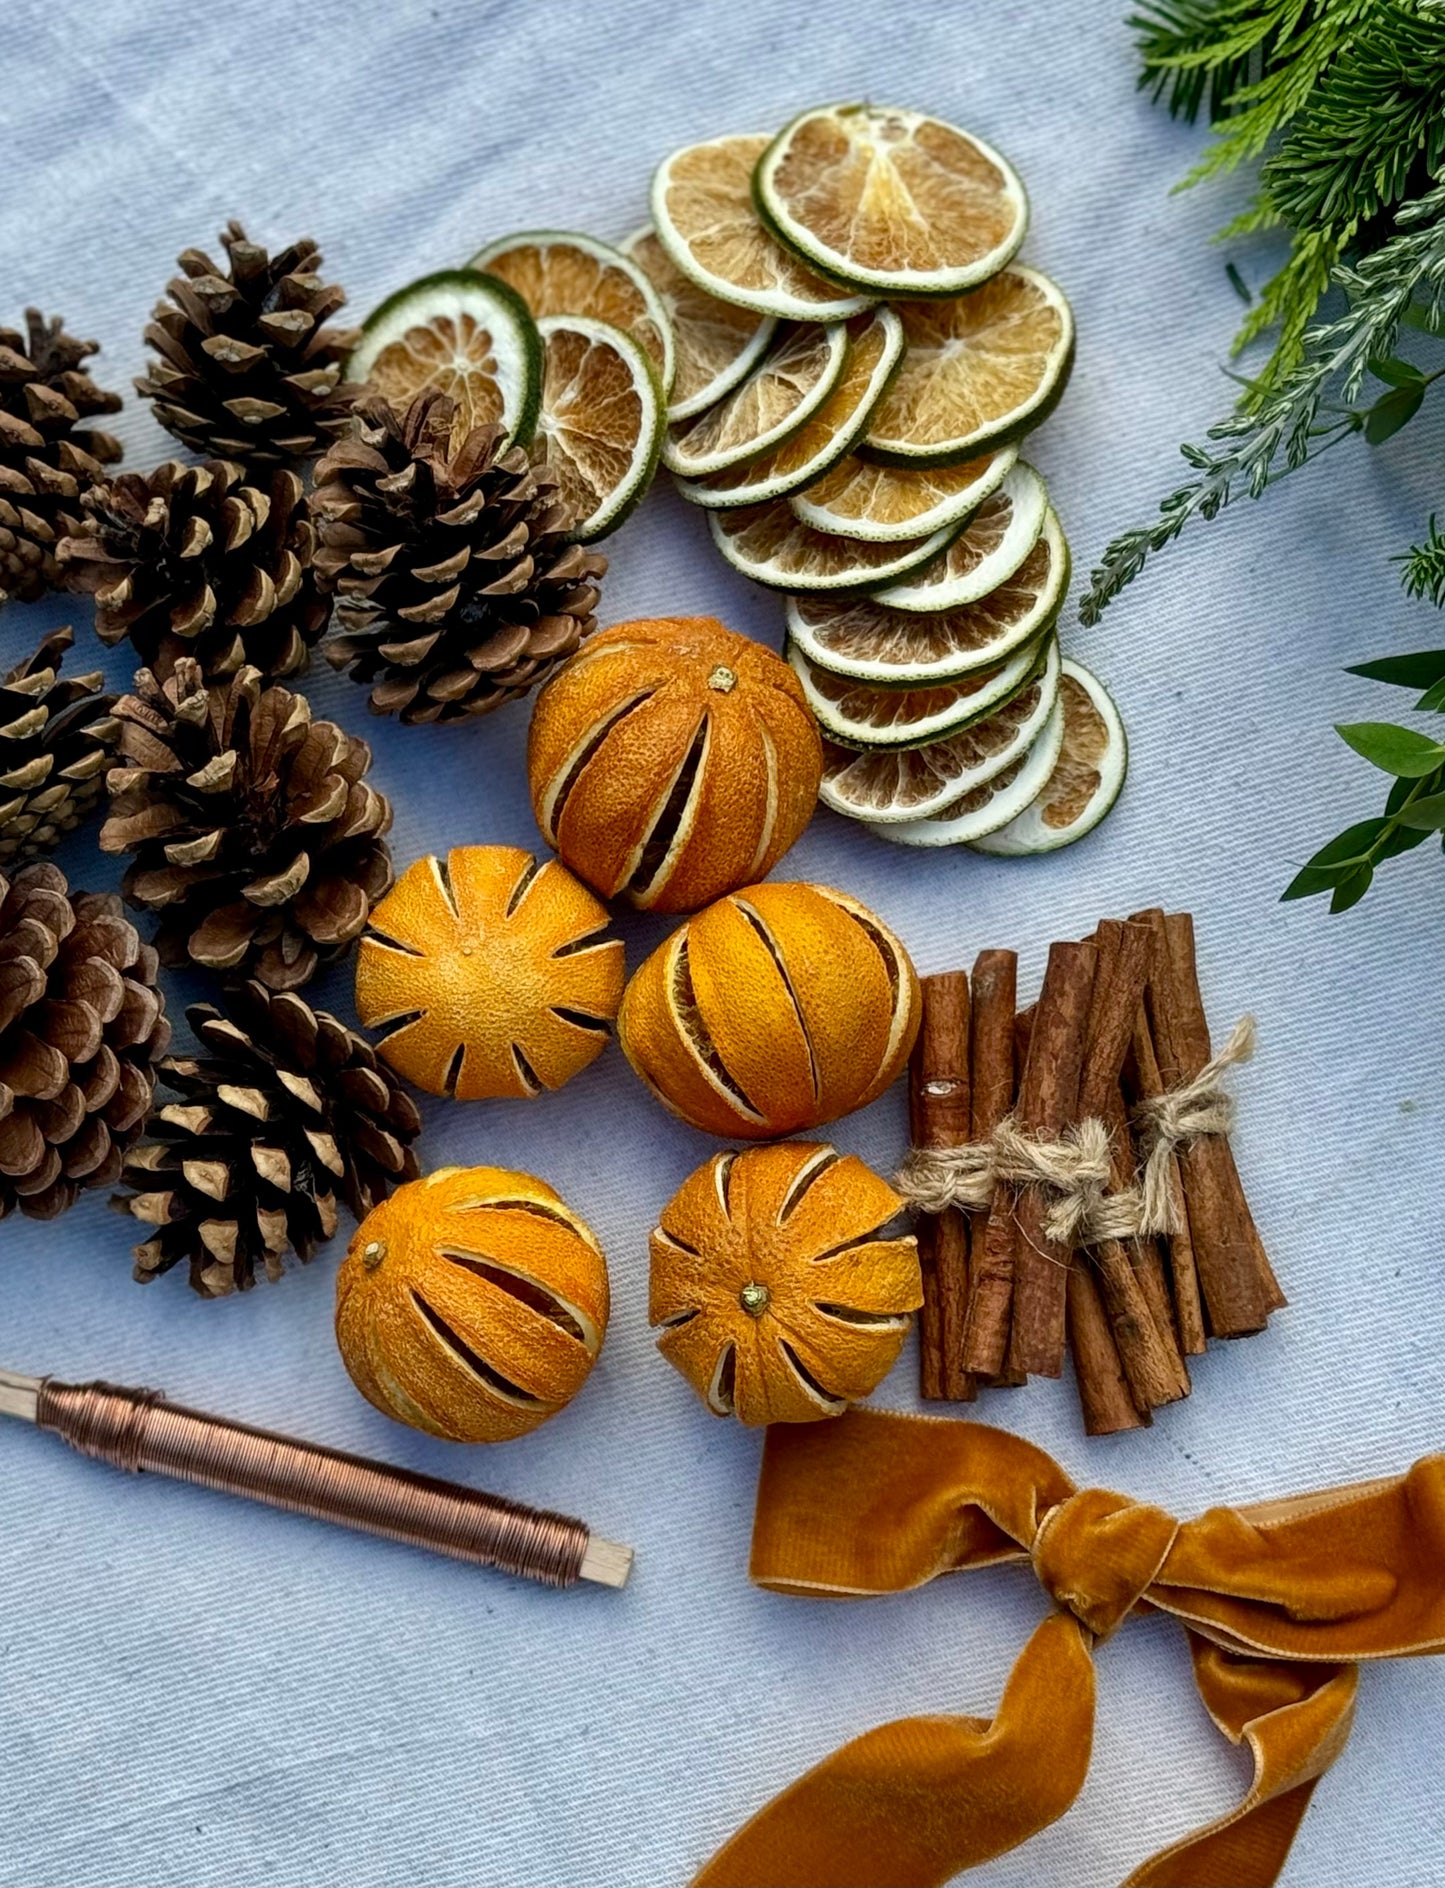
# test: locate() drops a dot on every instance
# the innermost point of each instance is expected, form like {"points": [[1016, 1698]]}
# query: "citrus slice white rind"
{"points": [[1086, 779], [986, 807], [564, 272], [876, 342], [990, 548], [899, 786], [706, 220], [891, 201], [601, 419], [770, 545], [862, 639], [716, 343], [978, 371], [861, 499], [784, 390], [857, 715], [465, 333]]}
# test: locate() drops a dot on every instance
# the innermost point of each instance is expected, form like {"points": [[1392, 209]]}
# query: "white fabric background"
{"points": [[197, 1692]]}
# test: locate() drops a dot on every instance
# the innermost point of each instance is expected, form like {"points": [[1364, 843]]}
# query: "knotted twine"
{"points": [[1076, 1168]]}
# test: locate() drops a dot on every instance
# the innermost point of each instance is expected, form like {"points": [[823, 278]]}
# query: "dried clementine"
{"points": [[776, 1009], [472, 1304], [492, 966], [672, 760], [779, 1302]]}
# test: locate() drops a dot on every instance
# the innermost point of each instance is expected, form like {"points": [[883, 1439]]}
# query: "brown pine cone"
{"points": [[56, 741], [246, 368], [81, 1024], [283, 1109], [189, 560], [456, 586], [256, 836], [47, 459]]}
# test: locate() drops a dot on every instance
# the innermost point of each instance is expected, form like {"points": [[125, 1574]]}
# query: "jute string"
{"points": [[1075, 1169]]}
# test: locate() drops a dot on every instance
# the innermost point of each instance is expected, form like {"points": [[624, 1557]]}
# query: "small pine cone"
{"points": [[81, 1025], [256, 836], [47, 459], [457, 588], [246, 367], [56, 741], [283, 1109], [189, 560]]}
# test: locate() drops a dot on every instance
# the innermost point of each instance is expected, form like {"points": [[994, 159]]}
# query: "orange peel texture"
{"points": [[492, 970], [779, 1301], [472, 1304], [775, 1010], [673, 760]]}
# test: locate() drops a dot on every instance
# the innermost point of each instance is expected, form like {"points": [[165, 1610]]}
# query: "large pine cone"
{"points": [[247, 369], [190, 560], [56, 740], [456, 586], [81, 1023], [283, 1109], [47, 460], [256, 836]]}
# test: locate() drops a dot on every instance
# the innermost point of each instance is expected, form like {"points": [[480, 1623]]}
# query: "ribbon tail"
{"points": [[913, 1803], [1295, 1720]]}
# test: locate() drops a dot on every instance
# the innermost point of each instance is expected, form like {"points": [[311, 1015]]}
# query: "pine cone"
{"points": [[56, 740], [247, 369], [288, 1109], [81, 1023], [255, 834], [46, 464], [457, 588]]}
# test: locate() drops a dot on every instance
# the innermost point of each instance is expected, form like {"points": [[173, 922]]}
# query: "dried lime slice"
{"points": [[990, 548], [863, 639], [1086, 780], [860, 499], [563, 272], [706, 220], [896, 786], [984, 808], [716, 344], [770, 545], [858, 715], [891, 201], [601, 420], [465, 333], [876, 343], [979, 370], [780, 395]]}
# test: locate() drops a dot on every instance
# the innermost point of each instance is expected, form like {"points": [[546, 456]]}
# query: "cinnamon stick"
{"points": [[1104, 1392], [986, 1334], [941, 1116], [1143, 1080]]}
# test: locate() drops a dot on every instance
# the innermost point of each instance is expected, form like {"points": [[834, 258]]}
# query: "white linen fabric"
{"points": [[196, 1692]]}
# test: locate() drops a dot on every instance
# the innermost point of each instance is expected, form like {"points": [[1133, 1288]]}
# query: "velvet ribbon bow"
{"points": [[1281, 1600]]}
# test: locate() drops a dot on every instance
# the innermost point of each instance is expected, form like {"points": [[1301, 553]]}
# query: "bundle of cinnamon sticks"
{"points": [[1119, 1022]]}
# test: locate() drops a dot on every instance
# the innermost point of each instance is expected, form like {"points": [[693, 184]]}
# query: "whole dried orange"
{"points": [[493, 969], [778, 1300], [778, 1008], [472, 1304], [673, 760]]}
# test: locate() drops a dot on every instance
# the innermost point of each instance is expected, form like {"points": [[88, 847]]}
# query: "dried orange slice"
{"points": [[861, 715], [990, 548], [788, 385], [1087, 779], [706, 220], [779, 1299], [462, 332], [979, 370], [774, 547], [859, 499], [891, 201], [715, 344], [876, 344], [601, 420], [563, 272], [984, 809]]}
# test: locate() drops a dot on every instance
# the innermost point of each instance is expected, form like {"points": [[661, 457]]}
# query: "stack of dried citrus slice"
{"points": [[863, 355]]}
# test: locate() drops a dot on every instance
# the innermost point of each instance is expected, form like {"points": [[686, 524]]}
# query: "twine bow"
{"points": [[1075, 1168], [1280, 1600]]}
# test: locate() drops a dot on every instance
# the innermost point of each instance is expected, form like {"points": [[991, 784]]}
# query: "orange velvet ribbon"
{"points": [[1281, 1601]]}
